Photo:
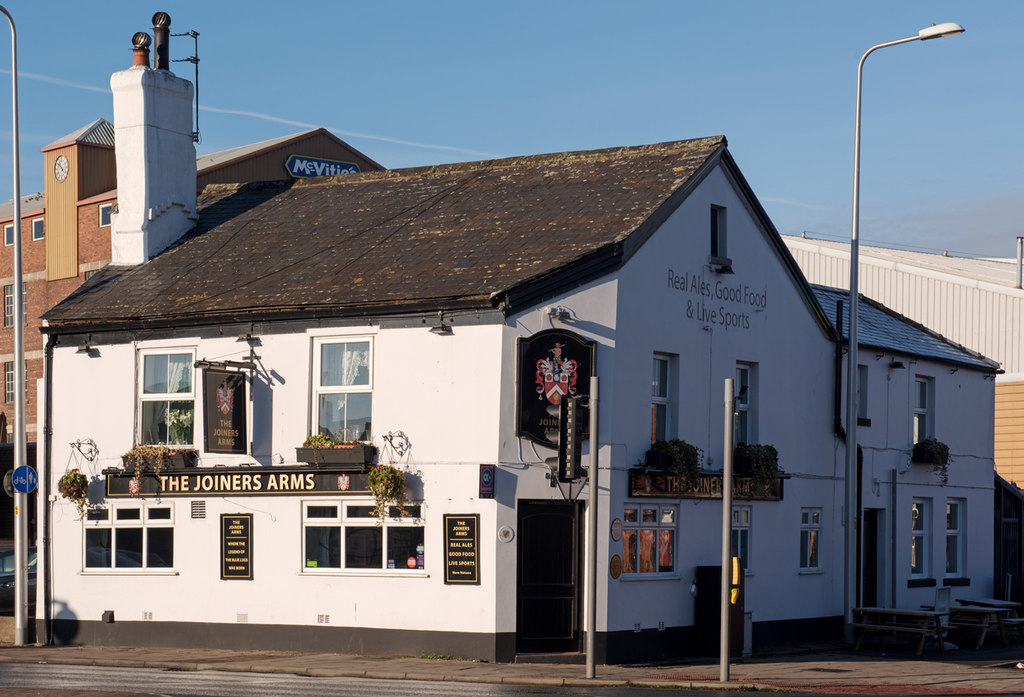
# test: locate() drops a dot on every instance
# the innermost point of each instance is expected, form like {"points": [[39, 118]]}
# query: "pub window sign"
{"points": [[553, 365]]}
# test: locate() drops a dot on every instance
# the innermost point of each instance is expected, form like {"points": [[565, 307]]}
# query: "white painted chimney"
{"points": [[156, 158]]}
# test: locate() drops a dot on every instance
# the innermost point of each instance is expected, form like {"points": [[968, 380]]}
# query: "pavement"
{"points": [[831, 669]]}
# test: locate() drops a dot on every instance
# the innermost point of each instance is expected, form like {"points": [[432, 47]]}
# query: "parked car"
{"points": [[7, 576]]}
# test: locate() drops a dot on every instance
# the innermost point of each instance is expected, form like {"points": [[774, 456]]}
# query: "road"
{"points": [[222, 684]]}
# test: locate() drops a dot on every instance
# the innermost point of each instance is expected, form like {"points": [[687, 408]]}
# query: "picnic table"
{"points": [[926, 624], [1005, 613]]}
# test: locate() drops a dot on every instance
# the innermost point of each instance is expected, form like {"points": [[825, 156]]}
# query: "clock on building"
{"points": [[60, 168]]}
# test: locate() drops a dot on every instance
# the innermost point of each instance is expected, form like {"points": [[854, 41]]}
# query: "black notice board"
{"points": [[236, 547], [462, 549]]}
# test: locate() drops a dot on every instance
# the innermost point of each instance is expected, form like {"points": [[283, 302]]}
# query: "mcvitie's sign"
{"points": [[239, 481]]}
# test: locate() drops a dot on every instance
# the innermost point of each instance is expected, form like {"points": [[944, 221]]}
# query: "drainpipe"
{"points": [[837, 398], [43, 500], [1020, 259]]}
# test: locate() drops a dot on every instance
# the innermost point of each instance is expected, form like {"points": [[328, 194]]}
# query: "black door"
{"points": [[547, 612]]}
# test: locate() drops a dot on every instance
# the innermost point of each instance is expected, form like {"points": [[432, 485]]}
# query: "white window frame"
{"points": [[343, 521], [923, 405], [142, 396], [955, 537], [42, 229], [746, 403], [110, 518], [660, 518], [99, 215], [9, 235], [319, 390], [810, 539], [9, 304], [921, 538], [862, 395], [663, 400], [718, 237], [741, 536]]}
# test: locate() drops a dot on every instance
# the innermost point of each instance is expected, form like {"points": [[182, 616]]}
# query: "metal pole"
{"points": [[1020, 260], [20, 508], [730, 410], [592, 534], [851, 484]]}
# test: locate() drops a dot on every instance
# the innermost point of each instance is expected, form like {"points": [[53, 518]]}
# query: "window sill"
{"points": [[811, 572], [368, 573], [956, 581], [862, 421], [650, 577], [921, 583], [129, 572]]}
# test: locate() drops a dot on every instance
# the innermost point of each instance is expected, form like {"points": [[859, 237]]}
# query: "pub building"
{"points": [[436, 318]]}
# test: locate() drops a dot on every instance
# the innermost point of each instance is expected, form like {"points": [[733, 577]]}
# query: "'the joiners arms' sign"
{"points": [[553, 365], [241, 481], [225, 410]]}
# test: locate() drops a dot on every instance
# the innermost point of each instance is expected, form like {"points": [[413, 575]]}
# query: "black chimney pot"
{"points": [[161, 36]]}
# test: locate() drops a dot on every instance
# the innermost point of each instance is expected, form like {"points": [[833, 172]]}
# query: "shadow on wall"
{"points": [[65, 624]]}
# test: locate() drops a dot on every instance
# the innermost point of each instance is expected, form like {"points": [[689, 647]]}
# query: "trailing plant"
{"points": [[929, 451], [74, 486], [141, 456], [677, 457], [762, 460], [324, 440], [387, 484]]}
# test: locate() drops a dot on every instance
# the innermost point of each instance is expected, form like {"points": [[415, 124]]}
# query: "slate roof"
{"points": [[449, 236], [879, 327]]}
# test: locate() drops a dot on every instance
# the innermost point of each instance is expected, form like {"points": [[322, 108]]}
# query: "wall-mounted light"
{"points": [[441, 328], [87, 348], [248, 338], [896, 365], [558, 312]]}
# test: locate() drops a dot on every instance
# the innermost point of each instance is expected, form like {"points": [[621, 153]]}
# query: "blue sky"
{"points": [[413, 82]]}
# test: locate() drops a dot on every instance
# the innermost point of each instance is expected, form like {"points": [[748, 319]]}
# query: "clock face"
{"points": [[60, 168]]}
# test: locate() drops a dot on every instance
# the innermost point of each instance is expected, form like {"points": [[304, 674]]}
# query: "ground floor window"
{"points": [[920, 537], [648, 539], [810, 538], [954, 537], [346, 535], [139, 536]]}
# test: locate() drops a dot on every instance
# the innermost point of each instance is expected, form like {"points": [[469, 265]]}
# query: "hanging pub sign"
{"points": [[553, 364], [224, 405]]}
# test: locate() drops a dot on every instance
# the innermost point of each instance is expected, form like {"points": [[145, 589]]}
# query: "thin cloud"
{"points": [[351, 134], [265, 117]]}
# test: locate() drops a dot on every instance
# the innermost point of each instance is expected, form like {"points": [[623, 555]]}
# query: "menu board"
{"points": [[462, 549], [236, 547]]}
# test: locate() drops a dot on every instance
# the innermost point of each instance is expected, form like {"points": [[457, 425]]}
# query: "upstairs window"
{"points": [[924, 408], [746, 403], [38, 229], [343, 388], [8, 235], [105, 210], [662, 397], [167, 398], [9, 304]]}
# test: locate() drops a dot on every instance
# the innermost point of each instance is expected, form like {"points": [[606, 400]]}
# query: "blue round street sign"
{"points": [[25, 479]]}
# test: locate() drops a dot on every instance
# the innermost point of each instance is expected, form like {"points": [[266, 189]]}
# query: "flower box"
{"points": [[337, 455], [172, 461]]}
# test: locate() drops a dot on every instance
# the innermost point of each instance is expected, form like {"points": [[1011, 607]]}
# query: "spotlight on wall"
{"points": [[559, 313], [896, 365], [441, 328]]}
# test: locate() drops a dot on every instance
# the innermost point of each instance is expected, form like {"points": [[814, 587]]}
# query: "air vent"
{"points": [[242, 618], [661, 626], [323, 619], [199, 509], [636, 627], [147, 615]]}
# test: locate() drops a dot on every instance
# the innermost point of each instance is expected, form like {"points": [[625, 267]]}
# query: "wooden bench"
{"points": [[885, 621]]}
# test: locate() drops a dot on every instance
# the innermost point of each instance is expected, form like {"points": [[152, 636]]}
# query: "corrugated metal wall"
{"points": [[61, 217], [98, 170], [983, 319]]}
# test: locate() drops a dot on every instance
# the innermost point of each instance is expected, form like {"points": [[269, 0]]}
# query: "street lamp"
{"points": [[852, 484], [20, 499]]}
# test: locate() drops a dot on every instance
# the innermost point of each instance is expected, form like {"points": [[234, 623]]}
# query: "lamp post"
{"points": [[852, 484], [20, 499]]}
